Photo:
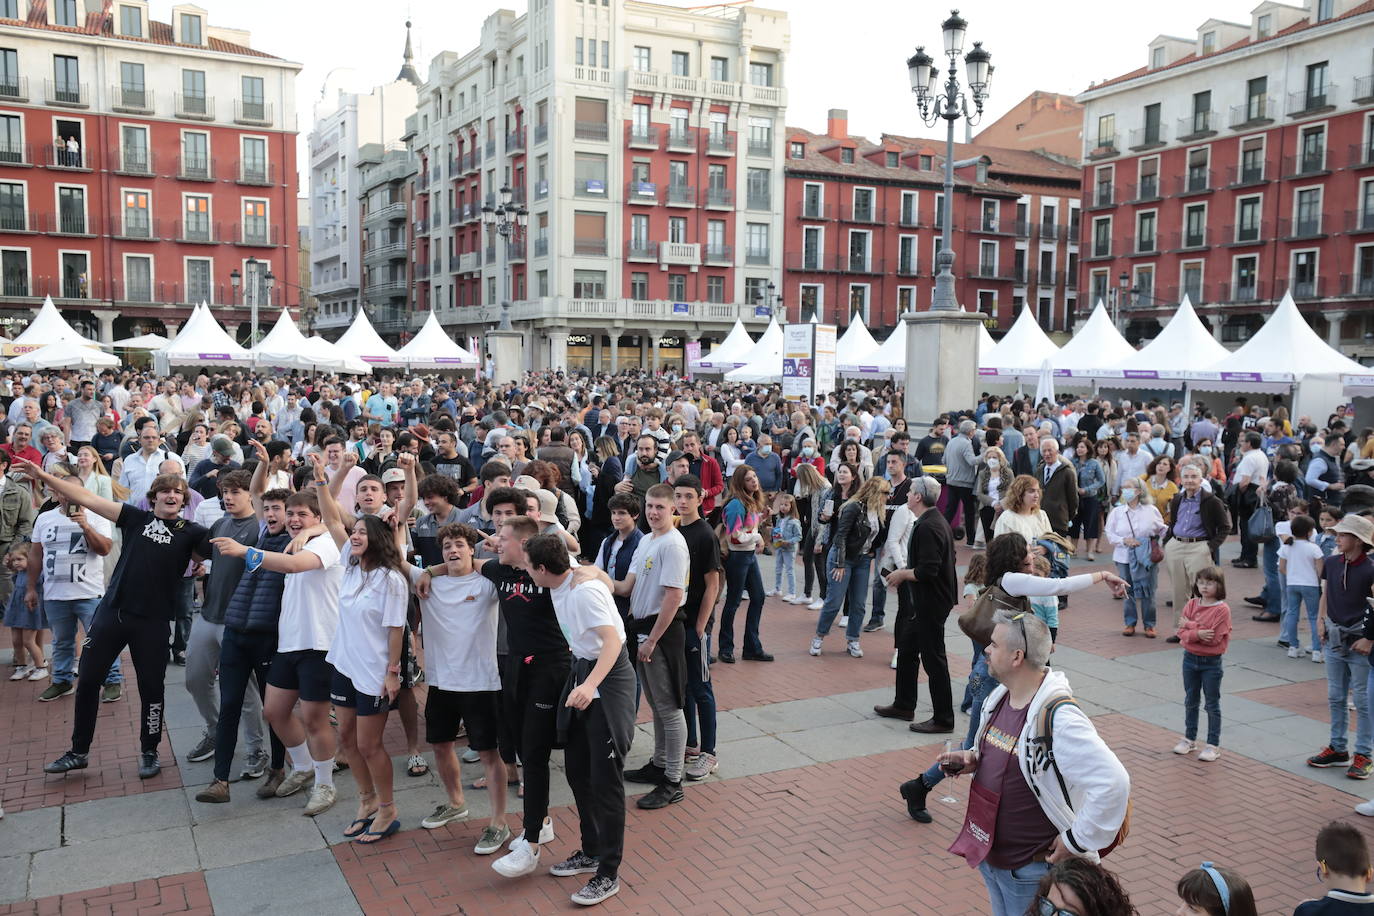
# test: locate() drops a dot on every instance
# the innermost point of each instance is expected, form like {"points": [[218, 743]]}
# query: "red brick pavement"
{"points": [[36, 733], [834, 838], [185, 893]]}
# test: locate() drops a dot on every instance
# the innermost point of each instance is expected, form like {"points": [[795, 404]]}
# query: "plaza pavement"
{"points": [[803, 816]]}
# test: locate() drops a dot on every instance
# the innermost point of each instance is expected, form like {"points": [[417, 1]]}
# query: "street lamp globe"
{"points": [[955, 27], [977, 63], [918, 68]]}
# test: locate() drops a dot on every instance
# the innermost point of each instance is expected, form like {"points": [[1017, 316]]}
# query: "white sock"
{"points": [[300, 757], [324, 772]]}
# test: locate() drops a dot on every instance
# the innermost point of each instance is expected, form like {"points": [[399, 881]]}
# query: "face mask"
{"points": [[677, 427], [1127, 495], [1316, 448], [765, 449], [808, 451], [993, 464], [1205, 450]]}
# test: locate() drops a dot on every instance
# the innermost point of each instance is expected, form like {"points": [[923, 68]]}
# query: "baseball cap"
{"points": [[222, 446], [393, 475]]}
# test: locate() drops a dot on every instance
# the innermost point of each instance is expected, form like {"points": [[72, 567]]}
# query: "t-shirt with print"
{"points": [[660, 561], [155, 554], [703, 555], [225, 571], [1022, 827], [71, 572], [531, 625], [460, 618], [310, 601]]}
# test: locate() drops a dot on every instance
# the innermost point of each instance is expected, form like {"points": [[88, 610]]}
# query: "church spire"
{"points": [[408, 67]]}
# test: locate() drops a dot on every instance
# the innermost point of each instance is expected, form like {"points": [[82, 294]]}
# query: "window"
{"points": [[1102, 237], [254, 166], [718, 131], [847, 155], [891, 159], [1248, 219], [138, 278], [1074, 225], [590, 119], [71, 210], [641, 59], [1145, 231], [677, 125], [9, 9], [1149, 179], [589, 234], [605, 55], [11, 139], [1152, 124], [858, 302], [720, 69], [193, 91], [196, 219], [677, 229], [1325, 9], [66, 79], [195, 154], [1364, 258], [589, 170], [906, 256], [1049, 226], [759, 188], [1312, 150], [199, 280], [796, 150], [927, 163], [1103, 196], [64, 13], [812, 241], [760, 137], [9, 73], [859, 250], [1100, 286], [131, 21], [1106, 132], [863, 205], [1264, 26], [1209, 42], [1202, 111], [1199, 176], [639, 122], [1144, 284], [190, 29], [760, 74], [131, 90], [133, 149], [1305, 284], [1156, 58], [1316, 86], [1247, 278], [758, 250], [987, 259], [677, 287], [12, 211], [990, 216], [577, 52], [589, 284], [1366, 212], [639, 285], [906, 299], [1252, 159], [1307, 211], [254, 104], [682, 63], [1195, 226], [909, 203], [715, 289], [14, 272], [1190, 279], [939, 213], [255, 222], [1256, 100]]}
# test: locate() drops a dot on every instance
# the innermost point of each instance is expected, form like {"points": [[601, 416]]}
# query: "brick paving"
{"points": [[185, 893]]}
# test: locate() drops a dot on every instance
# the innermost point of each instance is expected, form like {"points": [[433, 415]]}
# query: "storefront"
{"points": [[579, 353]]}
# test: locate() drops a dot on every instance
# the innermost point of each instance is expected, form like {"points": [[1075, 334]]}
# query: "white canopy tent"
{"points": [[47, 327], [729, 353], [431, 348], [856, 345], [141, 342], [201, 342], [65, 354], [1096, 343], [1182, 348], [1021, 351], [764, 362], [888, 359], [285, 347], [362, 341]]}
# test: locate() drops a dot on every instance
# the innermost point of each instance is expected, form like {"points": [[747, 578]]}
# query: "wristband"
{"points": [[253, 559], [431, 570]]}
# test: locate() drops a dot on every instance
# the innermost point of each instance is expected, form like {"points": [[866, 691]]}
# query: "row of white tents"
{"points": [[49, 342]]}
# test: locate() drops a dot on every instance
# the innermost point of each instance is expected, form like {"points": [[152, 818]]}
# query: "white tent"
{"points": [[888, 359], [431, 348], [362, 341], [1096, 343], [1284, 351], [47, 327], [64, 354], [764, 362], [729, 353], [286, 347], [201, 342], [1021, 351], [141, 342], [1183, 347], [856, 345]]}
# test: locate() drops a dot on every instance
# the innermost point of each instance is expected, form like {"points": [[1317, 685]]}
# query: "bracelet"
{"points": [[253, 559], [393, 669]]}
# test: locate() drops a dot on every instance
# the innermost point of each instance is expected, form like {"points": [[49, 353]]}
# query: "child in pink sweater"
{"points": [[1204, 632]]}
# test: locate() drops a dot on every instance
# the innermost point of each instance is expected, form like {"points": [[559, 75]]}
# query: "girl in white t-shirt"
{"points": [[1300, 562]]}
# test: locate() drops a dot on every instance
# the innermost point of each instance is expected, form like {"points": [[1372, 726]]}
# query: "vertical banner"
{"points": [[823, 376], [808, 361], [691, 354]]}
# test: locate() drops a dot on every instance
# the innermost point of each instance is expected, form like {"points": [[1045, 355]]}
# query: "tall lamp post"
{"points": [[1123, 283], [509, 221], [250, 292], [942, 343], [769, 298]]}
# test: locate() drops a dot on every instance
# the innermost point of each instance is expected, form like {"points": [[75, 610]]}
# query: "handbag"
{"points": [[1156, 549], [976, 619], [1260, 526]]}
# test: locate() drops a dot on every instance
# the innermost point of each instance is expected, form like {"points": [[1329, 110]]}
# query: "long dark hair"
{"points": [[1006, 554], [1099, 890], [381, 552]]}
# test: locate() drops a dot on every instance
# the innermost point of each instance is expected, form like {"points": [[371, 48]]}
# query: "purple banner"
{"points": [[213, 355], [374, 359], [1140, 373]]}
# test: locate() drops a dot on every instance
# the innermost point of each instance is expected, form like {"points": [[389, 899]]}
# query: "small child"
{"points": [[1326, 536], [1343, 866], [1204, 631], [26, 626], [787, 534], [1215, 890], [1046, 607], [1300, 563]]}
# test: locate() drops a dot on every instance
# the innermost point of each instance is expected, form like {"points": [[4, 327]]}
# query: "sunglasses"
{"points": [[1044, 907], [1019, 621]]}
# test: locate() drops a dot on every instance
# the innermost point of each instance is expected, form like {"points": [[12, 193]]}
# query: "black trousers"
{"points": [[182, 600], [535, 723], [986, 515], [596, 775], [963, 496], [110, 632], [243, 656], [920, 637]]}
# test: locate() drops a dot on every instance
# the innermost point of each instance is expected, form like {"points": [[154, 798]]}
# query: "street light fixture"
{"points": [[249, 281], [508, 221], [770, 298], [950, 105]]}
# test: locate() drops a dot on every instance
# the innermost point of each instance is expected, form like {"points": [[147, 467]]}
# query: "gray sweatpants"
{"points": [[202, 661], [670, 725]]}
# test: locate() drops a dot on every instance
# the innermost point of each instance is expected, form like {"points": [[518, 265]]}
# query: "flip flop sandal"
{"points": [[416, 766], [378, 836], [358, 827]]}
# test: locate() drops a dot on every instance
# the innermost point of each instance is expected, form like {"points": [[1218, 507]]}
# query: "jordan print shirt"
{"points": [[531, 625]]}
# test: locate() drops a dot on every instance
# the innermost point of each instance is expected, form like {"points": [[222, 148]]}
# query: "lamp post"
{"points": [[949, 104], [509, 221], [249, 280], [1123, 283], [769, 298]]}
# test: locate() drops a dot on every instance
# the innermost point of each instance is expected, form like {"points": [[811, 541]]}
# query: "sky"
{"points": [[854, 59]]}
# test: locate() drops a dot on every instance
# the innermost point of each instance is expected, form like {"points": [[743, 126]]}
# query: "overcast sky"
{"points": [[844, 55]]}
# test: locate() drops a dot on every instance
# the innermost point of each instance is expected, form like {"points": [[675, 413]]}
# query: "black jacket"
{"points": [[851, 532], [603, 488], [1022, 462], [930, 554]]}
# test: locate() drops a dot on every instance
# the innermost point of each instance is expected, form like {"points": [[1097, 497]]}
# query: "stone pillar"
{"points": [[1216, 321], [644, 339], [615, 350], [1333, 327], [558, 349], [653, 351], [172, 326], [507, 349], [596, 351], [941, 363], [106, 319]]}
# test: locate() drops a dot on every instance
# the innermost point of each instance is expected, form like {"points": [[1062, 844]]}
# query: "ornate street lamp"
{"points": [[509, 222]]}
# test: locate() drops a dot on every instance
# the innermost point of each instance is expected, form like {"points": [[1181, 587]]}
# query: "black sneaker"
{"points": [[1256, 601], [579, 863], [650, 774], [663, 795], [204, 749], [597, 890], [68, 761], [915, 792], [1325, 758], [148, 765], [873, 626]]}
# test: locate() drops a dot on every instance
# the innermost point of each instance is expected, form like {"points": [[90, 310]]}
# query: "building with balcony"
{"points": [[383, 180], [646, 144], [345, 126], [1234, 166], [141, 162], [864, 220]]}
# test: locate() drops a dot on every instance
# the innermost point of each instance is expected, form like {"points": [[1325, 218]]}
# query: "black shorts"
{"points": [[343, 695], [304, 671], [480, 710]]}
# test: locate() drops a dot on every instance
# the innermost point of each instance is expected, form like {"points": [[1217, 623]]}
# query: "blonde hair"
{"points": [[791, 505], [872, 495], [1016, 493], [1041, 566]]}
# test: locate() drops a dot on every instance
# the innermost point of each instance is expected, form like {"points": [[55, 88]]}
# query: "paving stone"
{"points": [[14, 877], [116, 859], [797, 715], [238, 840], [30, 831], [310, 881], [121, 817]]}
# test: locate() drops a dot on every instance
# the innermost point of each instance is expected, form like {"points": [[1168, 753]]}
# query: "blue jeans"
{"points": [[1012, 891], [1202, 675], [1273, 588], [854, 583], [1348, 671], [700, 698], [785, 564], [1135, 602], [980, 683], [742, 575], [1292, 612], [62, 617]]}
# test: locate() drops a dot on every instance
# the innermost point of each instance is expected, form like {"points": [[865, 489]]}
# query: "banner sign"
{"points": [[808, 360]]}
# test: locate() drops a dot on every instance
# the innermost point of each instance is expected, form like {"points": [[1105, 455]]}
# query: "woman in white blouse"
{"points": [[1022, 513], [731, 455], [1129, 526]]}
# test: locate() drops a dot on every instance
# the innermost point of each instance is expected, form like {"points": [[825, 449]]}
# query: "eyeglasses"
{"points": [[1045, 907]]}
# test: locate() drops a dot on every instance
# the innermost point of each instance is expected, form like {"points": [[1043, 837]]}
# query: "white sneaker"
{"points": [[39, 674], [893, 666], [1294, 652], [816, 605], [801, 599], [815, 645], [1185, 746], [545, 833], [790, 599], [1365, 808], [1317, 655], [21, 672], [322, 798], [844, 620], [1209, 753], [770, 592], [852, 647], [522, 859]]}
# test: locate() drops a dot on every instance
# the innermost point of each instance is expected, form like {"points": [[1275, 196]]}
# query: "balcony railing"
{"points": [[194, 107], [1311, 288], [136, 160], [682, 195], [719, 254], [1195, 181], [1241, 233], [421, 270], [256, 172], [1306, 101], [641, 250], [589, 247], [720, 197], [541, 133], [16, 220], [1146, 189], [590, 130], [590, 187], [1198, 124], [1256, 111], [1101, 249], [758, 256], [490, 147], [135, 226], [1187, 240], [249, 111], [907, 267], [541, 189], [195, 168], [72, 224], [680, 254], [71, 95], [255, 235], [14, 88], [516, 251], [202, 231], [1305, 227], [515, 141], [1104, 195], [681, 140], [1309, 163], [1243, 291], [1364, 89], [1361, 155], [909, 218], [1352, 285], [1102, 146], [1243, 175], [541, 247], [1361, 220], [643, 137], [760, 147], [131, 100], [1145, 244], [720, 145], [1146, 137], [18, 153], [641, 192], [869, 214]]}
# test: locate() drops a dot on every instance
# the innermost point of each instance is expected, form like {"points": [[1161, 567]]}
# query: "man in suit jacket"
{"points": [[928, 588], [1059, 482], [1026, 459]]}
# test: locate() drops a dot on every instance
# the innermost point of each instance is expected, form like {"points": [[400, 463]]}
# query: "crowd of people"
{"points": [[526, 564]]}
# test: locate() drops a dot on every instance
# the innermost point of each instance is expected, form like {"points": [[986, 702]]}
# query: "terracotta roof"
{"points": [[159, 33], [1366, 7], [1005, 161], [816, 162]]}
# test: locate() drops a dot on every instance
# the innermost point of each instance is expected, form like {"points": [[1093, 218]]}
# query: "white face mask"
{"points": [[993, 464], [1127, 495]]}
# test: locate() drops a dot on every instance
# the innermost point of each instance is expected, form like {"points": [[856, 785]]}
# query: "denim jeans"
{"points": [[742, 575], [1011, 891], [63, 617], [1295, 596], [854, 583], [981, 683], [1348, 671], [1273, 587], [1136, 608], [1202, 675], [785, 565], [699, 701]]}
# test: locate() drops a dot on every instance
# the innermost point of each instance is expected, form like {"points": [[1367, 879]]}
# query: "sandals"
{"points": [[378, 835], [359, 827], [416, 766]]}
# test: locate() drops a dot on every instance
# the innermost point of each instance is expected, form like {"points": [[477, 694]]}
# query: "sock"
{"points": [[324, 772], [300, 757]]}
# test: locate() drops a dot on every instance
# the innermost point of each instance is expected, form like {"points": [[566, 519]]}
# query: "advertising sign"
{"points": [[808, 360]]}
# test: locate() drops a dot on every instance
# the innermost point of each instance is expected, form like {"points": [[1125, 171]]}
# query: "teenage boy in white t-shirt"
{"points": [[1300, 563]]}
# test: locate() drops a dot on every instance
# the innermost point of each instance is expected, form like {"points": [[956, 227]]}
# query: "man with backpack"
{"points": [[1045, 785]]}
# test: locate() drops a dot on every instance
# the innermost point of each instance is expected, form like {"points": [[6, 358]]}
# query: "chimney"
{"points": [[837, 123]]}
